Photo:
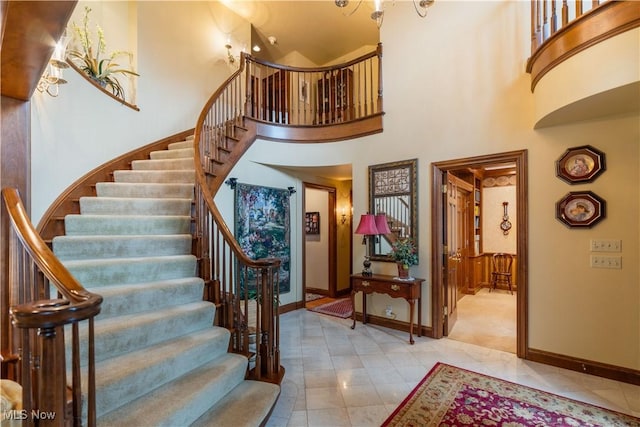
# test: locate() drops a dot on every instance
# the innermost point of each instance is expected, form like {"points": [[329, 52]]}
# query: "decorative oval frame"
{"points": [[580, 209], [580, 164]]}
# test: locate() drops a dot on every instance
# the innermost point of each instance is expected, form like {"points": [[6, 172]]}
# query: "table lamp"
{"points": [[367, 227]]}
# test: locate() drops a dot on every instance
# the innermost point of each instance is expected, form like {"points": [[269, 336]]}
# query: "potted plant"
{"points": [[102, 70], [405, 253]]}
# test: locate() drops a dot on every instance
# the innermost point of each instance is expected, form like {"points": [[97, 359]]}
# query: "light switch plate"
{"points": [[606, 245], [606, 261]]}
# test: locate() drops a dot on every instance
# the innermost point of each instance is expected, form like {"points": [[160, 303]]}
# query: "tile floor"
{"points": [[336, 376], [487, 319]]}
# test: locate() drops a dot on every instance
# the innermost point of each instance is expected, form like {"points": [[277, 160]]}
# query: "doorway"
{"points": [[448, 263], [319, 249]]}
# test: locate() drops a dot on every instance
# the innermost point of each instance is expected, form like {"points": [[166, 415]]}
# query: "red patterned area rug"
{"points": [[450, 396], [341, 308]]}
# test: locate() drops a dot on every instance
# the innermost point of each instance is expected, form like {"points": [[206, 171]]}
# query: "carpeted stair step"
{"points": [[121, 271], [126, 224], [159, 359], [115, 246], [135, 374], [181, 144], [172, 164], [123, 334], [140, 297], [175, 153], [184, 400], [139, 206], [145, 190], [248, 404], [159, 176]]}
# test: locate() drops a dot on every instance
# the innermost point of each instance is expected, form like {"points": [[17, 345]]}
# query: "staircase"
{"points": [[159, 359]]}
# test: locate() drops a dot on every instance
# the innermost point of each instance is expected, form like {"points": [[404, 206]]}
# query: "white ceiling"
{"points": [[316, 29]]}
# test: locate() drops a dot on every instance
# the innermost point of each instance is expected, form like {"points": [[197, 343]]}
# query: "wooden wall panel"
{"points": [[15, 171]]}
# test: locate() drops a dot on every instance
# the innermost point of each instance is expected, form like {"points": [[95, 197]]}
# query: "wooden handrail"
{"points": [[52, 222], [555, 37], [258, 98], [40, 356], [314, 97]]}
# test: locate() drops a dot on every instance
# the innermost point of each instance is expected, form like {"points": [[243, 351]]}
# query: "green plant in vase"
{"points": [[405, 254], [96, 64]]}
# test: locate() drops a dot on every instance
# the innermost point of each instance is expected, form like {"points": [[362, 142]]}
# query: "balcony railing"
{"points": [[562, 28]]}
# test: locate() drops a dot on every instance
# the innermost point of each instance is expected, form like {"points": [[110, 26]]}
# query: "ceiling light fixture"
{"points": [[377, 15]]}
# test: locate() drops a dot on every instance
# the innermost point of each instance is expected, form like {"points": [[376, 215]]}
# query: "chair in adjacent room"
{"points": [[501, 272]]}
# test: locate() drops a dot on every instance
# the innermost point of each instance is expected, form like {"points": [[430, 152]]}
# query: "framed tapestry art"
{"points": [[580, 164], [262, 227]]}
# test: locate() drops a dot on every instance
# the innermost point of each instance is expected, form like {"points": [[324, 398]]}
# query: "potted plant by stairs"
{"points": [[102, 70], [405, 254]]}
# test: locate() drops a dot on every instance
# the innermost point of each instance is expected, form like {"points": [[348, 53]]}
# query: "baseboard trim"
{"points": [[290, 307], [318, 291], [604, 370], [395, 324]]}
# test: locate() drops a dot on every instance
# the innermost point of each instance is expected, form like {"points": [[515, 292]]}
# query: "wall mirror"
{"points": [[392, 191]]}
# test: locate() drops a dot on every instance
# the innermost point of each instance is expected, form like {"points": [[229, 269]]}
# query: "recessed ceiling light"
{"points": [[256, 48]]}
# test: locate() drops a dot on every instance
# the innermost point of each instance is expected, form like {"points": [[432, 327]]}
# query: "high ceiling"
{"points": [[316, 29]]}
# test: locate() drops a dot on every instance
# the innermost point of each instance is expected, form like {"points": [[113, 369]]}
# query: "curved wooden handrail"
{"points": [[261, 99], [362, 58], [80, 305], [36, 345], [601, 23], [202, 184], [52, 222]]}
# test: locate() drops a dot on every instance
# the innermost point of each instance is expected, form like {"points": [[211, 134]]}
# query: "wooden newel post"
{"points": [[266, 322], [51, 379]]}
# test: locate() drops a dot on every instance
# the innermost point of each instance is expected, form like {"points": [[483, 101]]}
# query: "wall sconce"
{"points": [[343, 216], [232, 60], [52, 78]]}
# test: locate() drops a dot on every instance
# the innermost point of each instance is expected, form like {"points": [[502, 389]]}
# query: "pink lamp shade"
{"points": [[367, 225], [381, 224]]}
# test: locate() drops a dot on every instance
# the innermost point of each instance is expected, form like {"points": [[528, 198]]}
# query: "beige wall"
{"points": [[179, 53], [447, 94], [317, 245], [493, 239]]}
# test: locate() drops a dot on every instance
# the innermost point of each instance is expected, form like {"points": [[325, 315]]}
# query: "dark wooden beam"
{"points": [[30, 32]]}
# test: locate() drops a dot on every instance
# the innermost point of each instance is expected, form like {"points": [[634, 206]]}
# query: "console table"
{"points": [[409, 289]]}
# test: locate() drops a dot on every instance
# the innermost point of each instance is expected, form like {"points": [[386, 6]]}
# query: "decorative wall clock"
{"points": [[505, 225]]}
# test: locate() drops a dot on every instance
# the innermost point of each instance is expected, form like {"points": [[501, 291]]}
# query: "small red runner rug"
{"points": [[341, 308], [451, 396]]}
